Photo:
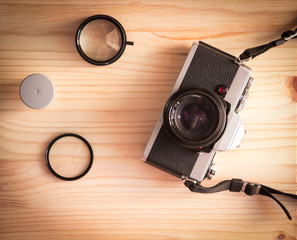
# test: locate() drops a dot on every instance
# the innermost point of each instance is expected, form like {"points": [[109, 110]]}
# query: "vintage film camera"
{"points": [[201, 115]]}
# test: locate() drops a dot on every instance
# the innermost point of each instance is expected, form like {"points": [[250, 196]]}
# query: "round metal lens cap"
{"points": [[37, 91]]}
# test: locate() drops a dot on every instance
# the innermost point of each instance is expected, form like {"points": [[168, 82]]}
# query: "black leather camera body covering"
{"points": [[205, 67]]}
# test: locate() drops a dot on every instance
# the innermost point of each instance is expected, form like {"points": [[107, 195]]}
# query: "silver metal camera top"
{"points": [[236, 96], [244, 96], [201, 166], [238, 86], [233, 134]]}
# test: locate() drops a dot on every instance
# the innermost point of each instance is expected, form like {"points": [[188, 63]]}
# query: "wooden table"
{"points": [[116, 107]]}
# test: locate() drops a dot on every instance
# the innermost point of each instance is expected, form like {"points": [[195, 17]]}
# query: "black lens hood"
{"points": [[187, 143]]}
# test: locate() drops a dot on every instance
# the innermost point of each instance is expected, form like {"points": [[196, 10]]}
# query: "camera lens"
{"points": [[194, 118]]}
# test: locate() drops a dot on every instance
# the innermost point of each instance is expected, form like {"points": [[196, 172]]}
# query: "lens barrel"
{"points": [[194, 118]]}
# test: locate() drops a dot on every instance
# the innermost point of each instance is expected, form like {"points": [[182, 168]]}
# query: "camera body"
{"points": [[200, 116]]}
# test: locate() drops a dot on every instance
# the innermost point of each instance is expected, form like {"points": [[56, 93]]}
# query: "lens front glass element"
{"points": [[195, 117], [100, 40]]}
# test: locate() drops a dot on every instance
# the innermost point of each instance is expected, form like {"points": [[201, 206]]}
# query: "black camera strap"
{"points": [[238, 185], [251, 53]]}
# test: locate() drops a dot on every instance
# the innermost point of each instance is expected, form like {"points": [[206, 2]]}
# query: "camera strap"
{"points": [[238, 185], [251, 53]]}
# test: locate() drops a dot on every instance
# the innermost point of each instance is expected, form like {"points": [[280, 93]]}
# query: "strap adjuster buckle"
{"points": [[290, 37], [251, 188]]}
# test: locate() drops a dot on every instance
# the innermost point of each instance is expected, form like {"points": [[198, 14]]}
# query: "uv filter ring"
{"points": [[47, 158]]}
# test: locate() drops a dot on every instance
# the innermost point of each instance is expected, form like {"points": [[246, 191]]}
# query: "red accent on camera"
{"points": [[222, 90]]}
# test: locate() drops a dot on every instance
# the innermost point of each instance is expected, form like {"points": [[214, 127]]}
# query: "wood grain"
{"points": [[116, 107]]}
